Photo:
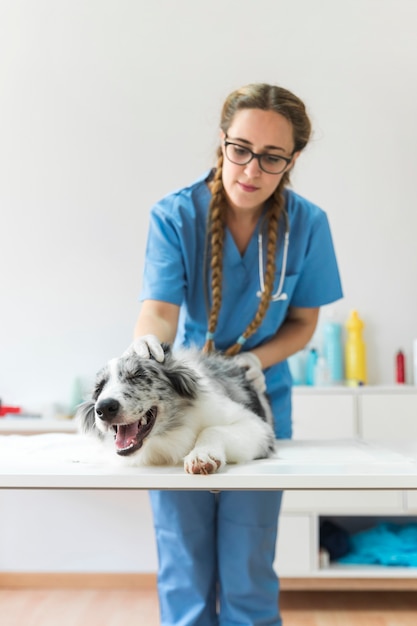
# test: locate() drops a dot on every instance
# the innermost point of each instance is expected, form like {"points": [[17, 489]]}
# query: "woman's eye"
{"points": [[270, 158], [240, 151]]}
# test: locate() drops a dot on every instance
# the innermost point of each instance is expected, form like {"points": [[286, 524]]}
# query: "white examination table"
{"points": [[71, 461]]}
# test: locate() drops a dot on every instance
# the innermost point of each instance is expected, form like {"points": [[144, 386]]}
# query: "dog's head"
{"points": [[135, 398]]}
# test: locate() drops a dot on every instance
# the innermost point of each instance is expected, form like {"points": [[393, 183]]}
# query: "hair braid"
{"points": [[273, 215], [217, 226]]}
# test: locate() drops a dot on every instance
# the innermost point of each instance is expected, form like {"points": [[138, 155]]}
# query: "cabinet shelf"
{"points": [[36, 425], [366, 571]]}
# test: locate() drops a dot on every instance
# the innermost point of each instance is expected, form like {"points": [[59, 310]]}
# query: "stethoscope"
{"points": [[279, 294]]}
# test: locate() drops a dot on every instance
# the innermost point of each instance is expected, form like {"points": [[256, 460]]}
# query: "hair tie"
{"points": [[241, 340], [209, 336]]}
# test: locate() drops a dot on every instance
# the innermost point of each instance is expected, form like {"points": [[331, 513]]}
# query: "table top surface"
{"points": [[72, 461]]}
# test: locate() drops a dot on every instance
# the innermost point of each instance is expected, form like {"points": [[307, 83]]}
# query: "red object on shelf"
{"points": [[400, 367], [9, 409]]}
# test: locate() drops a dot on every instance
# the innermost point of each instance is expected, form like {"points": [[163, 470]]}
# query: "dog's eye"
{"points": [[98, 388], [134, 375]]}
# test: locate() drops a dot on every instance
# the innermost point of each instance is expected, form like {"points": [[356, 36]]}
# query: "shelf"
{"points": [[339, 570], [35, 425], [362, 390]]}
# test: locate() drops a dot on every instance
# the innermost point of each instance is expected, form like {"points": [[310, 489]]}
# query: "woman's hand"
{"points": [[148, 346], [254, 374]]}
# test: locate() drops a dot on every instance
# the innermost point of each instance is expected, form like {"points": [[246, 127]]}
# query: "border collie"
{"points": [[192, 408]]}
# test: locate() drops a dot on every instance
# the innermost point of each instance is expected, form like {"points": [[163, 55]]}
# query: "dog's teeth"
{"points": [[143, 421]]}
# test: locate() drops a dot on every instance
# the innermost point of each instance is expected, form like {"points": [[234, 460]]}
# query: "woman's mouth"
{"points": [[248, 188]]}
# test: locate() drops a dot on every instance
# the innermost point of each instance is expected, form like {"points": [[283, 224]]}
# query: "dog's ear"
{"points": [[85, 416], [183, 380]]}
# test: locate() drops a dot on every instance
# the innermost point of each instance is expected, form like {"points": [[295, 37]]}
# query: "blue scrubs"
{"points": [[228, 539]]}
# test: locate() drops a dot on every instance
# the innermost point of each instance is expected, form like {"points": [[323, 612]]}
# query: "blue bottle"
{"points": [[333, 351], [297, 365], [311, 366]]}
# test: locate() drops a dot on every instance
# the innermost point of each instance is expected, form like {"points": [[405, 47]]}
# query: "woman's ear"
{"points": [[222, 136], [293, 160]]}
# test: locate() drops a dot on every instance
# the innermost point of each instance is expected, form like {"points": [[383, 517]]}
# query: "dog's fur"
{"points": [[195, 408]]}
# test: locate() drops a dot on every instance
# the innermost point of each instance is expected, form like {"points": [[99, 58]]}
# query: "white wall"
{"points": [[76, 531], [106, 105]]}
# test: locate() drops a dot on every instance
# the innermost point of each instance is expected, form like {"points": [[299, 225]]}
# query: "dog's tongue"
{"points": [[126, 435]]}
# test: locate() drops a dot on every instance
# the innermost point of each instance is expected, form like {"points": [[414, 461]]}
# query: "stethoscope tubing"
{"points": [[279, 294]]}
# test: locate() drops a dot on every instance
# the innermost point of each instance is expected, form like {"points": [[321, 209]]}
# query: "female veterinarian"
{"points": [[239, 263]]}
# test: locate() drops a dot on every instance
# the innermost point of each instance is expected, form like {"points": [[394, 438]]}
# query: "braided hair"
{"points": [[267, 98]]}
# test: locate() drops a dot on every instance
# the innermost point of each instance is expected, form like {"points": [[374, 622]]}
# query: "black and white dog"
{"points": [[192, 408]]}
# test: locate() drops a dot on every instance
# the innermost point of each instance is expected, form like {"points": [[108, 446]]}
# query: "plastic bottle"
{"points": [[297, 365], [415, 361], [400, 367], [311, 366], [355, 351], [322, 375], [77, 396], [333, 351]]}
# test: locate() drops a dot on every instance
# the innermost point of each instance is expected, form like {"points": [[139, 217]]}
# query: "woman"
{"points": [[221, 274]]}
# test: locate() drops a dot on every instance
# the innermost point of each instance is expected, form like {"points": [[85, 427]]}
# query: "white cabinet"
{"points": [[294, 558], [388, 415], [375, 413], [411, 501], [337, 502], [321, 415]]}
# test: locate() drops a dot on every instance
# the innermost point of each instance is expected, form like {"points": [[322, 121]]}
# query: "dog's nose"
{"points": [[107, 409]]}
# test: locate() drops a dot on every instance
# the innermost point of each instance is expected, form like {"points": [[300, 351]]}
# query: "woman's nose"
{"points": [[252, 168]]}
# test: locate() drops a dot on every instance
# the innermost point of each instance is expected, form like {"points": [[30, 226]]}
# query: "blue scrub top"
{"points": [[174, 273]]}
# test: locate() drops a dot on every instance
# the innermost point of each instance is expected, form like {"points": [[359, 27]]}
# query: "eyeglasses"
{"points": [[269, 163]]}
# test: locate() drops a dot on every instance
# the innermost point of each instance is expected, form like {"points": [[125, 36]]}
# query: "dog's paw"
{"points": [[199, 462]]}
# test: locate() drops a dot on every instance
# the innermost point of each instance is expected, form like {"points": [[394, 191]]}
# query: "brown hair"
{"points": [[267, 98]]}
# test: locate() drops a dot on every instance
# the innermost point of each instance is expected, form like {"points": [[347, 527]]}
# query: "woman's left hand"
{"points": [[254, 374]]}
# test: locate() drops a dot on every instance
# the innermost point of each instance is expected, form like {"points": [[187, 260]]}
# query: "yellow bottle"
{"points": [[355, 352]]}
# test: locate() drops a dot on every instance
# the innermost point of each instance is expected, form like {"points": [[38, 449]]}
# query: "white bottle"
{"points": [[321, 373]]}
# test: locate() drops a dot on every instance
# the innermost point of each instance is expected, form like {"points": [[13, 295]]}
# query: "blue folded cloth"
{"points": [[385, 544]]}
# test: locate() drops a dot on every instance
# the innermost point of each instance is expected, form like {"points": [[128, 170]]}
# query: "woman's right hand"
{"points": [[148, 346], [156, 319]]}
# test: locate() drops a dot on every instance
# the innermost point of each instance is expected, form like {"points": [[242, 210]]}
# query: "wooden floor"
{"points": [[60, 607]]}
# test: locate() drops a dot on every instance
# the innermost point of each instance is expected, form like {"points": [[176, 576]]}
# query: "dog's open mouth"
{"points": [[130, 437]]}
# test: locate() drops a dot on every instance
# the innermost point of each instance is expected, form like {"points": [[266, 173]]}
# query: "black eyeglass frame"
{"points": [[257, 156]]}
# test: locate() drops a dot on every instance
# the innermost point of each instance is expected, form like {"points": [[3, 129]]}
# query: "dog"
{"points": [[192, 408]]}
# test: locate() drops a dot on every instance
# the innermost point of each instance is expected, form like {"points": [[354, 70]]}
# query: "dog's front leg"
{"points": [[208, 454]]}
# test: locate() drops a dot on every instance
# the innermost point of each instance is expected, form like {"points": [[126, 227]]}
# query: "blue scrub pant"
{"points": [[216, 552]]}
